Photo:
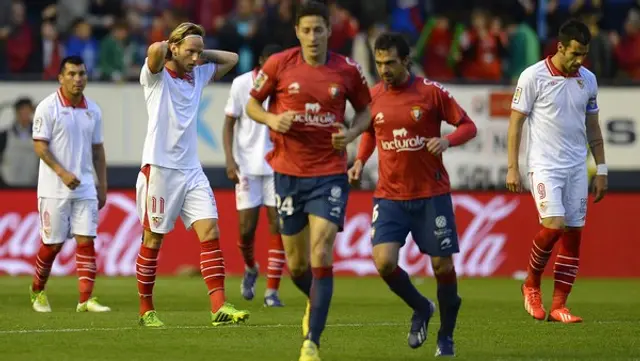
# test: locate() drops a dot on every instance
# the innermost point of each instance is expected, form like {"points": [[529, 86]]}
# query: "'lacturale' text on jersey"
{"points": [[556, 106], [318, 94], [172, 106]]}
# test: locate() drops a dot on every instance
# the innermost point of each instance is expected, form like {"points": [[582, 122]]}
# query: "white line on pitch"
{"points": [[63, 330]]}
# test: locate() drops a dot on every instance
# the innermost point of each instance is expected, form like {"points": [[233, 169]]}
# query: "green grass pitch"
{"points": [[366, 322]]}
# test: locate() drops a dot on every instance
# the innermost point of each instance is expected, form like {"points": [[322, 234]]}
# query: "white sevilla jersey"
{"points": [[172, 106], [71, 132], [251, 141], [556, 106]]}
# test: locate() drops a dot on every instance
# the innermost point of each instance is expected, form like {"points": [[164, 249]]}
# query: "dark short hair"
{"points": [[270, 49], [21, 102], [313, 8], [574, 30], [72, 59], [389, 40]]}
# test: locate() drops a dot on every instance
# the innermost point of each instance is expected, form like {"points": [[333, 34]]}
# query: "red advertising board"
{"points": [[495, 232]]}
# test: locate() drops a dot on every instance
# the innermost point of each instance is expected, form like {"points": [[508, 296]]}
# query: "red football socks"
{"points": [[540, 252]]}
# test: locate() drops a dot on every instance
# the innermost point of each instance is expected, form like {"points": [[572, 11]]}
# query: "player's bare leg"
{"points": [[543, 242], [86, 268], [146, 267], [44, 261], [248, 223], [564, 273], [213, 272], [385, 257], [448, 302], [296, 248], [276, 261]]}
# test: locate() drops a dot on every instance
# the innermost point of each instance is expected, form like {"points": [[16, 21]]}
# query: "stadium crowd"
{"points": [[453, 40]]}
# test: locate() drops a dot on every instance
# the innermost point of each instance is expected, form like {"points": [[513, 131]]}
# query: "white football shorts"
{"points": [[163, 194], [254, 191], [561, 193], [63, 218]]}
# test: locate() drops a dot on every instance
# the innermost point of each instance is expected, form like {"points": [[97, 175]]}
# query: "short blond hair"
{"points": [[183, 30]]}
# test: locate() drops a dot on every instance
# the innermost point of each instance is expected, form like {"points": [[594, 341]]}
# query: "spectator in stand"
{"points": [[48, 52], [434, 49], [19, 41], [482, 47], [600, 56], [407, 17], [524, 46], [240, 35], [18, 162], [344, 29], [627, 49], [279, 24], [83, 44], [115, 54], [68, 12], [103, 14]]}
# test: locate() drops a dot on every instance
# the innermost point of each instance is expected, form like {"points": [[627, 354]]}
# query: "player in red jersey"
{"points": [[413, 191], [309, 88]]}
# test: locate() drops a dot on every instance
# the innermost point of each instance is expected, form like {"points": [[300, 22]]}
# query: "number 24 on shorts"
{"points": [[285, 207]]}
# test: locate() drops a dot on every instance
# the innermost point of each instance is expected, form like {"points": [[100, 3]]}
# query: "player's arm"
{"points": [[596, 143], [156, 56], [360, 98], [524, 97], [453, 114], [41, 133], [263, 86], [100, 165], [365, 150], [224, 60], [514, 138], [227, 140], [99, 159]]}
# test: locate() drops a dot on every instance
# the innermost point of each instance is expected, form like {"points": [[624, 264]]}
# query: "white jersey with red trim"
{"points": [[556, 106], [172, 107], [71, 132], [251, 141]]}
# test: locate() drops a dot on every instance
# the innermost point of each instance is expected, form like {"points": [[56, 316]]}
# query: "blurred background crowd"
{"points": [[453, 40]]}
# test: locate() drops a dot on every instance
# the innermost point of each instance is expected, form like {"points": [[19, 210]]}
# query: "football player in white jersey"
{"points": [[558, 98], [171, 182], [67, 134], [246, 144]]}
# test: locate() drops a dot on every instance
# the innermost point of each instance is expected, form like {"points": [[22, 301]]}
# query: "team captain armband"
{"points": [[592, 105]]}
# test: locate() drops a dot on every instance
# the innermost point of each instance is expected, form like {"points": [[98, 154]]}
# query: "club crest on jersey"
{"points": [[88, 114], [416, 113], [261, 78], [334, 90], [294, 88], [580, 83]]}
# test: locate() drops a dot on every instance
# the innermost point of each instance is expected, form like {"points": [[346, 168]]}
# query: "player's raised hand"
{"points": [[233, 170], [600, 185], [355, 171], [70, 180], [282, 122], [514, 184], [342, 137], [437, 145]]}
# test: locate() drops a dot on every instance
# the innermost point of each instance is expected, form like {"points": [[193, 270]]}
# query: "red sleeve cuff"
{"points": [[465, 131]]}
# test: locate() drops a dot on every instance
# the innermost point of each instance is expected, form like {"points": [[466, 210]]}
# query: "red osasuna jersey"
{"points": [[318, 94], [404, 119]]}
